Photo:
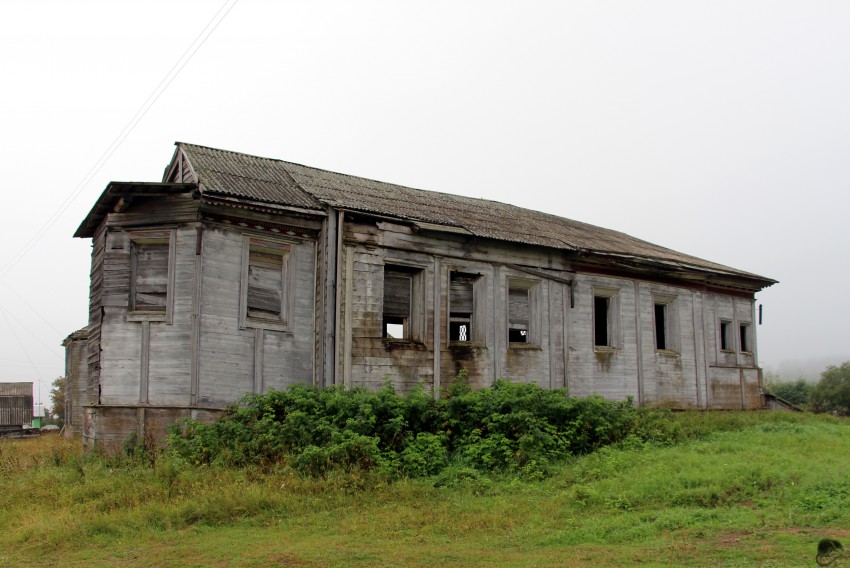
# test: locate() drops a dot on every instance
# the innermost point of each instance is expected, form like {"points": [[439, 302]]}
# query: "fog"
{"points": [[718, 129]]}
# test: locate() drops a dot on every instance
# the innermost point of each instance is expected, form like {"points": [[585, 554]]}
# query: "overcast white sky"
{"points": [[720, 129]]}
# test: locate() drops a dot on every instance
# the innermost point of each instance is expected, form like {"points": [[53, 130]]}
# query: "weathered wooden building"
{"points": [[15, 406], [239, 274], [76, 382]]}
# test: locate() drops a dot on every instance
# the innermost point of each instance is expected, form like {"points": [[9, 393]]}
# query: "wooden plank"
{"points": [[437, 310], [347, 324]]}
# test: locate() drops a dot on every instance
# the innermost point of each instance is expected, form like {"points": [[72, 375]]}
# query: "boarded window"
{"points": [[461, 287], [518, 314], [266, 280], [149, 279], [401, 317], [661, 326], [725, 340]]}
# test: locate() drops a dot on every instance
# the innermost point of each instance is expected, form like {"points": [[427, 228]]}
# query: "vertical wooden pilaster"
{"points": [[639, 336], [258, 360], [346, 327], [145, 362], [197, 288], [566, 305], [437, 349]]}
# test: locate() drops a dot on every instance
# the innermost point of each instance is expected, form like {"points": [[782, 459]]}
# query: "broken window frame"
{"points": [[523, 329], [259, 252], [745, 337], [607, 324], [462, 311], [412, 317], [667, 324], [148, 240], [725, 340]]}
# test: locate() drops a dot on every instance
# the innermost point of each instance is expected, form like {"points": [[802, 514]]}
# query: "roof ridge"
{"points": [[290, 163], [295, 183]]}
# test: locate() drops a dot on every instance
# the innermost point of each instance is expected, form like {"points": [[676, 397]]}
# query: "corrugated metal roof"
{"points": [[239, 175], [275, 181]]}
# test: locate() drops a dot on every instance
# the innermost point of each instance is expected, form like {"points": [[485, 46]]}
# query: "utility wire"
{"points": [[157, 92], [30, 306], [24, 349], [166, 81], [53, 349]]}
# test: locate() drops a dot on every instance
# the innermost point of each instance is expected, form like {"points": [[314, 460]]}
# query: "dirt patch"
{"points": [[732, 539]]}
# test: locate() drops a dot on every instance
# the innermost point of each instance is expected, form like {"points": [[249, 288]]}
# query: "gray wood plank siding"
{"points": [[148, 357], [76, 385], [229, 356], [95, 313], [196, 301], [690, 371]]}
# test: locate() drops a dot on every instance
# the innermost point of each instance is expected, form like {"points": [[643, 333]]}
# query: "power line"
{"points": [[157, 92], [30, 306], [24, 349], [53, 349]]}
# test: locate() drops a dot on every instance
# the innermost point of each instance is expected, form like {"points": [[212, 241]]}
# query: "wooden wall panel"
{"points": [[288, 357], [670, 375], [76, 386], [229, 357], [95, 313], [226, 352], [725, 389], [612, 373], [120, 358], [170, 367]]}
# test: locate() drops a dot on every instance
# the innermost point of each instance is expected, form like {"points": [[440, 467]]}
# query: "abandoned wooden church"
{"points": [[239, 274]]}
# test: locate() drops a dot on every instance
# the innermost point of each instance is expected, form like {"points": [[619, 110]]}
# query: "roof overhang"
{"points": [[118, 192], [718, 276]]}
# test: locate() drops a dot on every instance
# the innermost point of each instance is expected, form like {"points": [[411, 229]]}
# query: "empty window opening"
{"points": [[398, 296], [518, 312], [744, 337], [601, 310], [661, 326], [149, 276], [266, 267], [725, 342], [461, 306]]}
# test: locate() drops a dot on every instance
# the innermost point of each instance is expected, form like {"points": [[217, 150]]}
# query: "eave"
{"points": [[118, 193]]}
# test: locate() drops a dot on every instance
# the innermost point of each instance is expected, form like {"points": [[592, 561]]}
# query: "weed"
{"points": [[509, 427]]}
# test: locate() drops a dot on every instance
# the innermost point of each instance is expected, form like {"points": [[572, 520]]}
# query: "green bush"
{"points": [[832, 392], [796, 392], [512, 427]]}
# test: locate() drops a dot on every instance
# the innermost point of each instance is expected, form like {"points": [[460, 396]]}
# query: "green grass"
{"points": [[743, 489]]}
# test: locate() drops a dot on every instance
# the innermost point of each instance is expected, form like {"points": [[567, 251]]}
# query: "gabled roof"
{"points": [[225, 173], [249, 180]]}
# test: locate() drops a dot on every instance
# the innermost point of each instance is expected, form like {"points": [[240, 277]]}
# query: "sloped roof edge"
{"points": [[474, 216], [238, 176], [117, 189]]}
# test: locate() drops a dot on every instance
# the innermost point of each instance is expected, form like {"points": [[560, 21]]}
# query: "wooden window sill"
{"points": [[391, 344], [524, 346], [146, 316]]}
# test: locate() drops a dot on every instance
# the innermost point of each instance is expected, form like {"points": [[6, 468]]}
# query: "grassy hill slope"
{"points": [[744, 489]]}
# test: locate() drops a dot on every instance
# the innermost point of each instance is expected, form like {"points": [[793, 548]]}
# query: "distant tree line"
{"points": [[830, 394]]}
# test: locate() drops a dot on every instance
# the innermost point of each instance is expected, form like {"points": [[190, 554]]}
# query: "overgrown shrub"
{"points": [[796, 392], [508, 427], [832, 391]]}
